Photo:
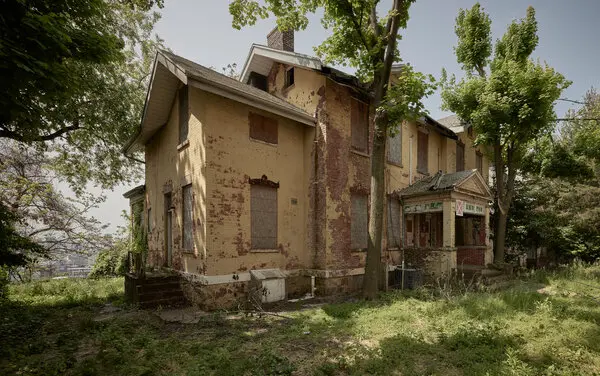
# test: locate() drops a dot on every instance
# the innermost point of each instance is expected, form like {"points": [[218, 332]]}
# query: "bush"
{"points": [[111, 262]]}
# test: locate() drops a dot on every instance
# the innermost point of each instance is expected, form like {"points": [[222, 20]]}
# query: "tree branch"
{"points": [[5, 133]]}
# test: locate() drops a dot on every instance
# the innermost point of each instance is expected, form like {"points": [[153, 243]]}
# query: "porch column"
{"points": [[449, 218]]}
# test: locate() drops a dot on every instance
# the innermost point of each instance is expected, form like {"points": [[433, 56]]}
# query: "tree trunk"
{"points": [[500, 236], [373, 262]]}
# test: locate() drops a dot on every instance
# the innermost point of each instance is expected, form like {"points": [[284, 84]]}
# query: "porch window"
{"points": [[470, 230], [263, 128], [425, 230], [422, 152], [263, 216], [359, 225], [183, 114], [393, 224], [394, 152], [187, 218], [360, 125]]}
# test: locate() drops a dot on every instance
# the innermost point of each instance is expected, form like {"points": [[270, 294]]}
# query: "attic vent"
{"points": [[258, 81]]}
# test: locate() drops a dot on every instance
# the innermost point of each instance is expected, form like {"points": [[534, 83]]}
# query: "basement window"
{"points": [[289, 77]]}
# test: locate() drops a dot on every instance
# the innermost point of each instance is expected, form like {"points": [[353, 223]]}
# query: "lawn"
{"points": [[58, 328]]}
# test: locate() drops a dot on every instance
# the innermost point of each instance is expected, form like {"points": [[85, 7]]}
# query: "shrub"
{"points": [[111, 262]]}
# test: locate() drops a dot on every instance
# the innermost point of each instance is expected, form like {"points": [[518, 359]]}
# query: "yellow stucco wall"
{"points": [[232, 158], [168, 169]]}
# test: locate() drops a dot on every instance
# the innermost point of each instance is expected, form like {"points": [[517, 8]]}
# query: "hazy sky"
{"points": [[200, 30]]}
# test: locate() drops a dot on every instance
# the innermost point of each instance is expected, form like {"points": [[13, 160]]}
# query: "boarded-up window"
{"points": [[263, 217], [263, 128], [393, 227], [460, 156], [183, 114], [359, 231], [149, 220], [394, 154], [360, 125], [187, 218], [479, 162], [422, 152]]}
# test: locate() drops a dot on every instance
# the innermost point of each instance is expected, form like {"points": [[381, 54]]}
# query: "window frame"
{"points": [[460, 144], [399, 140], [420, 169], [398, 241], [184, 246], [353, 246], [253, 128], [264, 183], [357, 107], [290, 78]]}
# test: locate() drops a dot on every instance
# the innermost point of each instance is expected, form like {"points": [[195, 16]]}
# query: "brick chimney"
{"points": [[281, 40]]}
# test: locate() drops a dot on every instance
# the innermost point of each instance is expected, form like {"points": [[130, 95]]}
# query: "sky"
{"points": [[200, 30]]}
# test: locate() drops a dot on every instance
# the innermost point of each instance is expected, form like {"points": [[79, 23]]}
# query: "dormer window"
{"points": [[289, 77]]}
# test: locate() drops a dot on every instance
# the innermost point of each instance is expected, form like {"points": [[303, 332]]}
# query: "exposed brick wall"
{"points": [[470, 256], [281, 40]]}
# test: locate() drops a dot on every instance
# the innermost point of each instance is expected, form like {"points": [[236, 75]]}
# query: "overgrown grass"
{"points": [[515, 331]]}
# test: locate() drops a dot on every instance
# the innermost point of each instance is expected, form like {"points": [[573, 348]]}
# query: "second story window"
{"points": [[479, 162], [263, 128], [422, 152], [460, 156], [359, 125], [183, 114], [289, 77], [394, 152]]}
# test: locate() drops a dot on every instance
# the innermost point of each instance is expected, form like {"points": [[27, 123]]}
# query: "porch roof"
{"points": [[442, 182]]}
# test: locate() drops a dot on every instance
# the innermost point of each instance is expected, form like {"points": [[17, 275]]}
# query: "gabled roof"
{"points": [[454, 123], [170, 70], [441, 182]]}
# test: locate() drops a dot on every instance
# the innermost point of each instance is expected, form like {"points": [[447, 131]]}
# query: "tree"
{"points": [[39, 212], [72, 81], [506, 96], [363, 40]]}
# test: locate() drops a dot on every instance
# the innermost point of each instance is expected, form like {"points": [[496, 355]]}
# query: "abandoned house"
{"points": [[266, 178]]}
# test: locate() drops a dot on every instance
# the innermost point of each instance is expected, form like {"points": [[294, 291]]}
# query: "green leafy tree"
{"points": [[506, 96], [362, 39], [72, 81]]}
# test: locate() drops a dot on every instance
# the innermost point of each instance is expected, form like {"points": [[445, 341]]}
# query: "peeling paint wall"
{"points": [[168, 168], [232, 159]]}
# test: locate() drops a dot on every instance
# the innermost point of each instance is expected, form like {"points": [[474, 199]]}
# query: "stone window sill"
{"points": [[393, 249], [395, 164], [183, 145], [262, 142], [264, 251], [423, 172], [359, 250], [361, 153]]}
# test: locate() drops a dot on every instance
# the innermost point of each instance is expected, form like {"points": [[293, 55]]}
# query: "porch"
{"points": [[445, 221]]}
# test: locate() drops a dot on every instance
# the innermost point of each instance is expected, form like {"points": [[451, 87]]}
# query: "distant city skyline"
{"points": [[201, 31]]}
